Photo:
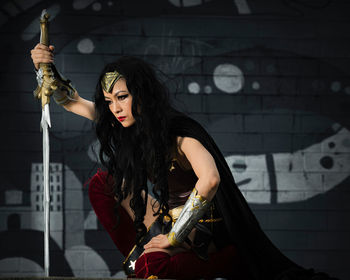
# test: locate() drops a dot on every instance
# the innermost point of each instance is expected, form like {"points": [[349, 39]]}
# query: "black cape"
{"points": [[264, 260]]}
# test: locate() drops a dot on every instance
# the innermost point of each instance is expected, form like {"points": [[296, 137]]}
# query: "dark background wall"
{"points": [[268, 79]]}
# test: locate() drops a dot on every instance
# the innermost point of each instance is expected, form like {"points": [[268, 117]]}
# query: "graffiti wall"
{"points": [[269, 80]]}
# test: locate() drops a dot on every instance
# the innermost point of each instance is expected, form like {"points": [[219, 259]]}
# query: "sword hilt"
{"points": [[47, 86]]}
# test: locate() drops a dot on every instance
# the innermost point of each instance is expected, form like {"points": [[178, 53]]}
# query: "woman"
{"points": [[143, 138]]}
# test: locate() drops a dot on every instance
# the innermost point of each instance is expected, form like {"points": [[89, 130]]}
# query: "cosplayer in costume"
{"points": [[217, 237]]}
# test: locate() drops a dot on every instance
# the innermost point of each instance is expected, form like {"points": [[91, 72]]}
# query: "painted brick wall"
{"points": [[269, 81]]}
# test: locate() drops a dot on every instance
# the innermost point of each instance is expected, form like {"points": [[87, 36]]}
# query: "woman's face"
{"points": [[120, 103]]}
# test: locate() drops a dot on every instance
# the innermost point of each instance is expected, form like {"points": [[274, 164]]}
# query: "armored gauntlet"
{"points": [[193, 210], [52, 83]]}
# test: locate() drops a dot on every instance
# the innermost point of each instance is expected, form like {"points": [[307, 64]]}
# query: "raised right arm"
{"points": [[79, 106]]}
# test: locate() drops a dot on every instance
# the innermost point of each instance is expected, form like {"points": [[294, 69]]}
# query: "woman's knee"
{"points": [[99, 185], [155, 263], [102, 200]]}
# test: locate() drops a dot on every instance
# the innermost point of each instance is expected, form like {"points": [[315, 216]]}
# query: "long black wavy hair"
{"points": [[143, 150]]}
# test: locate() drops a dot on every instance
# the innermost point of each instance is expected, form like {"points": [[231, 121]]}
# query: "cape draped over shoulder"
{"points": [[263, 259]]}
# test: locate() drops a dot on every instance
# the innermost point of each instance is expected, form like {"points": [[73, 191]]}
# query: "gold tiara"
{"points": [[109, 79]]}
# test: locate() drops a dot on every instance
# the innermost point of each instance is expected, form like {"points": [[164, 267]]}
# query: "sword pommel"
{"points": [[44, 14]]}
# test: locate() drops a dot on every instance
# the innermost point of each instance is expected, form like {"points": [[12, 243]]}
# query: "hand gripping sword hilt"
{"points": [[50, 82]]}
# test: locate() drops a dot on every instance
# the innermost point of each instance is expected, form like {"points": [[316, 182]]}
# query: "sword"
{"points": [[44, 91]]}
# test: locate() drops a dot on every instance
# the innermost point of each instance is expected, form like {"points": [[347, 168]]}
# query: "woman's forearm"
{"points": [[207, 186], [81, 107]]}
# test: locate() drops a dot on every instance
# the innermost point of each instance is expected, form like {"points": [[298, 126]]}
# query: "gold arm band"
{"points": [[192, 212], [175, 213]]}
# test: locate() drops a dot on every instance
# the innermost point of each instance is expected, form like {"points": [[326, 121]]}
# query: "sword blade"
{"points": [[45, 124]]}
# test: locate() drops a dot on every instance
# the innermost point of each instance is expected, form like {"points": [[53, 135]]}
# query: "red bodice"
{"points": [[181, 183]]}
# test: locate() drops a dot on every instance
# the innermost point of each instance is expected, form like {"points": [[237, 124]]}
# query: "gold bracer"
{"points": [[192, 212], [175, 213], [109, 79], [51, 83]]}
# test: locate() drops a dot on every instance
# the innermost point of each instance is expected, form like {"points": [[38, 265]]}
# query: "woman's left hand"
{"points": [[159, 241]]}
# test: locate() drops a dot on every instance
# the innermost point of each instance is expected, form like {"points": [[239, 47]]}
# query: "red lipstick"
{"points": [[121, 118]]}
